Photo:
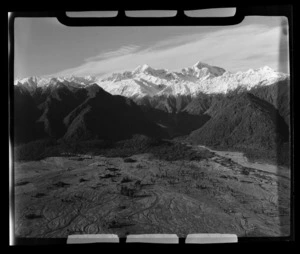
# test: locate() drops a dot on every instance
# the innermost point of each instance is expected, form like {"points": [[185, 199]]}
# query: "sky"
{"points": [[45, 47]]}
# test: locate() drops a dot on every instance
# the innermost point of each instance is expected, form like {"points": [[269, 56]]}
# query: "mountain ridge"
{"points": [[147, 81]]}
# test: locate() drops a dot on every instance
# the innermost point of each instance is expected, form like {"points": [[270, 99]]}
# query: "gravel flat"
{"points": [[83, 194]]}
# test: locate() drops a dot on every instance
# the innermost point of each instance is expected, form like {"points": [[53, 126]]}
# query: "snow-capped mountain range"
{"points": [[147, 81], [34, 82]]}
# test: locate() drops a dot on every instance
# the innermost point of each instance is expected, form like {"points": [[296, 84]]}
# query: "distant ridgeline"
{"points": [[205, 104]]}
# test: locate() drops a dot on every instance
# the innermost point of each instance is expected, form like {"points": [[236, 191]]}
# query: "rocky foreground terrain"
{"points": [[81, 194]]}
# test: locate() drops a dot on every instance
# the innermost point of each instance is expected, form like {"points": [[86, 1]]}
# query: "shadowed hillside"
{"points": [[104, 116], [25, 114], [166, 103], [243, 121], [58, 103], [175, 124], [278, 95]]}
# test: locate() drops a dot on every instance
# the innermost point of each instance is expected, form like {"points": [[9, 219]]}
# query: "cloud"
{"points": [[176, 41], [125, 50], [235, 49]]}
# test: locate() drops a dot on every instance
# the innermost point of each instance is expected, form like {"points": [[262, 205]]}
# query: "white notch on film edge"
{"points": [[93, 238], [152, 238], [92, 14], [211, 238]]}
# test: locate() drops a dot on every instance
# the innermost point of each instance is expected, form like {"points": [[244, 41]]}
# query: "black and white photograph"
{"points": [[151, 129]]}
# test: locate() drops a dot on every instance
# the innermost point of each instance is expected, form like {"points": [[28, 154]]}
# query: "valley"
{"points": [[241, 159], [202, 150]]}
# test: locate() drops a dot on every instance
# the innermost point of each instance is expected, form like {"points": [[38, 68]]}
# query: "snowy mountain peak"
{"points": [[208, 69], [145, 67], [200, 65], [266, 69], [141, 69]]}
